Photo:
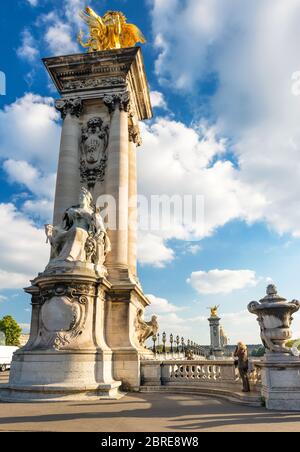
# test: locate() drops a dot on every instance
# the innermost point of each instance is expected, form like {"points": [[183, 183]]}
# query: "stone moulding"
{"points": [[90, 84]]}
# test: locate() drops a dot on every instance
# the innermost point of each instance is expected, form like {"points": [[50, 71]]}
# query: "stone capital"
{"points": [[122, 100], [69, 106], [135, 135]]}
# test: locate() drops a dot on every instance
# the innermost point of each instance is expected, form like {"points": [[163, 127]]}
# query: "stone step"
{"points": [[252, 399]]}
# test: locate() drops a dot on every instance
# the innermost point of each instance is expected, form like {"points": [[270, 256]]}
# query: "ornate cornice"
{"points": [[73, 107], [99, 74]]}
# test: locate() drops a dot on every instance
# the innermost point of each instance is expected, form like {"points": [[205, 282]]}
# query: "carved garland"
{"points": [[94, 83]]}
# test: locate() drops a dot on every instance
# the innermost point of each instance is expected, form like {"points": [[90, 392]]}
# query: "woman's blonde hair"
{"points": [[242, 345]]}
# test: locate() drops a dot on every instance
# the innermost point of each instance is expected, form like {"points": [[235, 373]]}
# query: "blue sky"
{"points": [[222, 76]]}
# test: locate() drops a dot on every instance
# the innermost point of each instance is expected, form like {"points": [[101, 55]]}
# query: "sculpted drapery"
{"points": [[82, 235]]}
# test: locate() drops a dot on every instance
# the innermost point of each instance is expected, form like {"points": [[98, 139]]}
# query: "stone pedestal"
{"points": [[67, 355], [84, 337], [281, 382], [280, 369]]}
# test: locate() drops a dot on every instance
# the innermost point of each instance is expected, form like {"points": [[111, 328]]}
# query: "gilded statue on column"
{"points": [[214, 311], [109, 32]]}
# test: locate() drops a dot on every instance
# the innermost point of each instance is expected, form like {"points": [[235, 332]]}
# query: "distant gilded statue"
{"points": [[109, 32], [82, 236], [214, 311]]}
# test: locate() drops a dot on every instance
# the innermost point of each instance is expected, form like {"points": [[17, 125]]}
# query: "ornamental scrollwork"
{"points": [[121, 100], [73, 107]]}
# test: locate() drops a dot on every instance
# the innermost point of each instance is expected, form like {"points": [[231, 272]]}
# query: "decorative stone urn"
{"points": [[274, 315]]}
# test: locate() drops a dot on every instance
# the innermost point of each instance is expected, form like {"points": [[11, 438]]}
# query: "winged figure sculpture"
{"points": [[109, 32]]}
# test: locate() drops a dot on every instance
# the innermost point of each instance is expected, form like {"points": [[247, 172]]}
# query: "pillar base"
{"points": [[50, 393], [122, 305], [281, 384], [60, 376]]}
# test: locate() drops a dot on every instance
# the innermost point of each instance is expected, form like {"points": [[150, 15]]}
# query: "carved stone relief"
{"points": [[94, 83], [94, 144], [64, 310]]}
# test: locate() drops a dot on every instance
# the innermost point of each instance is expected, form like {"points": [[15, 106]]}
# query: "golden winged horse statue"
{"points": [[109, 32]]}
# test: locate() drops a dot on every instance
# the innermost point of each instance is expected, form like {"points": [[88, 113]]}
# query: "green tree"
{"points": [[291, 343], [11, 329], [259, 352]]}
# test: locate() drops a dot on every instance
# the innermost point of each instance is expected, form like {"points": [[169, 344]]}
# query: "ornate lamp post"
{"points": [[178, 343], [164, 340], [171, 342]]}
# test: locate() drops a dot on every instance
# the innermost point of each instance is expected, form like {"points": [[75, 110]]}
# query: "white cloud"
{"points": [[222, 281], [23, 173], [41, 209], [3, 298], [158, 100], [33, 2], [153, 251], [62, 26], [29, 131], [23, 250], [253, 102], [180, 160], [162, 306], [60, 40], [193, 249], [29, 47], [168, 318], [71, 10]]}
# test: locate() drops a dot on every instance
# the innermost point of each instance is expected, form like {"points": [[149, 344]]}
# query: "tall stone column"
{"points": [[117, 181], [68, 179], [134, 141], [87, 322], [215, 339]]}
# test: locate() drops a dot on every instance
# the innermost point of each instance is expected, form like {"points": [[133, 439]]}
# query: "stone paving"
{"points": [[144, 413]]}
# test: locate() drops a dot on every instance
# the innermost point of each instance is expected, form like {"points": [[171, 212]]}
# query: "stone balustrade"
{"points": [[205, 374]]}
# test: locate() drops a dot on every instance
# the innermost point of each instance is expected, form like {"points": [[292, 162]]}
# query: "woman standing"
{"points": [[243, 364]]}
